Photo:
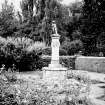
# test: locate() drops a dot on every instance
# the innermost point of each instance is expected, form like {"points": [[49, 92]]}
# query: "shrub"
{"points": [[36, 46], [72, 47], [19, 42], [68, 61], [76, 35], [62, 52], [29, 61], [22, 52]]}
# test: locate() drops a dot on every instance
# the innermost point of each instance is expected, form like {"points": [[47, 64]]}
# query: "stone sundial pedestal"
{"points": [[55, 71]]}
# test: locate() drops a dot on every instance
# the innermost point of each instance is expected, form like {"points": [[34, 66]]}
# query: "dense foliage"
{"points": [[80, 24], [22, 52], [38, 25], [93, 25], [8, 21]]}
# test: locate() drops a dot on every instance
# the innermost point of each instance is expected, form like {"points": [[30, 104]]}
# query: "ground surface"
{"points": [[97, 91]]}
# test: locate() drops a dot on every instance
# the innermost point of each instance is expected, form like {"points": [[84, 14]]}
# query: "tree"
{"points": [[38, 25], [7, 20], [92, 23], [73, 25]]}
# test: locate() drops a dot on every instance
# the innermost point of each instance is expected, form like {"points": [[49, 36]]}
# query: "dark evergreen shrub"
{"points": [[30, 61]]}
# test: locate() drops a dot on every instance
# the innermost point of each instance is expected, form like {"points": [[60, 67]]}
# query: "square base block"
{"points": [[54, 75]]}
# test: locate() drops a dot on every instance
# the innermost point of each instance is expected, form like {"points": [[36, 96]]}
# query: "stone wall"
{"points": [[95, 64]]}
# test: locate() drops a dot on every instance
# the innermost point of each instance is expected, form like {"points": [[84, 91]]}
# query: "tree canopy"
{"points": [[92, 23], [81, 22], [37, 24]]}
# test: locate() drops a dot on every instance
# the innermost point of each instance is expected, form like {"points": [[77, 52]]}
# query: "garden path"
{"points": [[97, 90]]}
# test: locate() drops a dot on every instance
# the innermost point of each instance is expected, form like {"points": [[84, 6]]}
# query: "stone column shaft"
{"points": [[55, 50]]}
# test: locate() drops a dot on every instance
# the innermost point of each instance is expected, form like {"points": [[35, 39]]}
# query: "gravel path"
{"points": [[97, 92], [96, 89]]}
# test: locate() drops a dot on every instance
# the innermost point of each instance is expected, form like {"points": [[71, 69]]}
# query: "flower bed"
{"points": [[72, 91]]}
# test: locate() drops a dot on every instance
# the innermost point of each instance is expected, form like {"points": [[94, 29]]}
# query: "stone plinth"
{"points": [[54, 75]]}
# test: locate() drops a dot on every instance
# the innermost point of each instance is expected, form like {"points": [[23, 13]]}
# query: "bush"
{"points": [[62, 52], [76, 35], [29, 61], [37, 46], [22, 52], [72, 47], [68, 61], [20, 42]]}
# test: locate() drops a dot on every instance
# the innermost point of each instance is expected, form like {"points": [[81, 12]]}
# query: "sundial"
{"points": [[55, 69]]}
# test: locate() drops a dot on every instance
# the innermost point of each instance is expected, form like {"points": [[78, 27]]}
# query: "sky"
{"points": [[17, 3]]}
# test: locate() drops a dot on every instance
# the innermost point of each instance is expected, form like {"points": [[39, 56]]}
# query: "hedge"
{"points": [[67, 61]]}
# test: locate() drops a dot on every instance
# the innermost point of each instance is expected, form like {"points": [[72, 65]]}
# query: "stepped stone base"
{"points": [[54, 74], [55, 68]]}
